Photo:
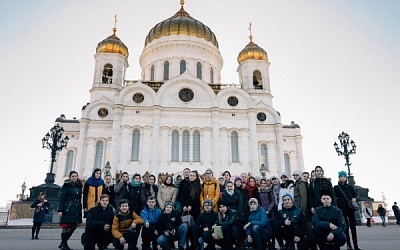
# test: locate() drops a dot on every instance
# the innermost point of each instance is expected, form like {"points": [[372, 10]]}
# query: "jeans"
{"points": [[383, 218], [165, 241], [321, 233], [259, 235]]}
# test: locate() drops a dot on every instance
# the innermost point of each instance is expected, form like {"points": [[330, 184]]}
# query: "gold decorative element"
{"points": [[181, 24], [113, 44], [252, 51]]}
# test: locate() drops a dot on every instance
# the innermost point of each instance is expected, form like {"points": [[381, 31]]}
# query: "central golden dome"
{"points": [[181, 24]]}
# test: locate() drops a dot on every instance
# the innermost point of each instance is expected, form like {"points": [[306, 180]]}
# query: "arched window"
{"points": [[199, 70], [70, 162], [287, 163], [175, 146], [152, 73], [211, 75], [235, 147], [99, 155], [107, 73], [182, 67], [257, 80], [264, 155], [196, 146], [185, 146], [135, 145], [166, 70]]}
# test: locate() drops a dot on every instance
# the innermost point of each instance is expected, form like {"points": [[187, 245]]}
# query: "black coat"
{"points": [[323, 216], [110, 192], [145, 193], [297, 220], [235, 202], [70, 202], [97, 217], [229, 221], [315, 188], [168, 222], [342, 200], [187, 200], [207, 220], [245, 200], [135, 202], [184, 186]]}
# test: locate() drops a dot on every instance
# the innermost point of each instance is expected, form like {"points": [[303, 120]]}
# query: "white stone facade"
{"points": [[206, 125]]}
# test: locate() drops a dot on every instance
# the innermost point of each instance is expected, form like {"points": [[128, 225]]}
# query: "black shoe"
{"points": [[357, 247], [32, 238]]}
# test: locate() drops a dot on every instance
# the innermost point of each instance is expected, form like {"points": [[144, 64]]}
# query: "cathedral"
{"points": [[179, 114]]}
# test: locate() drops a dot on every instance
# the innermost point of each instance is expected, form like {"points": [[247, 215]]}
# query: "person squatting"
{"points": [[302, 211]]}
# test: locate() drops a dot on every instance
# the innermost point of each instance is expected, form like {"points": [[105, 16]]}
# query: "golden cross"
{"points": [[251, 36], [115, 21]]}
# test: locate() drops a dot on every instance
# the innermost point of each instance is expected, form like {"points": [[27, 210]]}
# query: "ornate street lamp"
{"points": [[345, 144], [263, 170], [107, 168], [55, 142]]}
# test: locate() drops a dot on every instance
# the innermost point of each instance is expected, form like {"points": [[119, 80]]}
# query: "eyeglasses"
{"points": [[274, 179]]}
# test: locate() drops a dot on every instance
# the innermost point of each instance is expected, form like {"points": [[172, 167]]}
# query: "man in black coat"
{"points": [[98, 224], [328, 224], [203, 226]]}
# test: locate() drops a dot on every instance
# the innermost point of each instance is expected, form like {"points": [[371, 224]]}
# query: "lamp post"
{"points": [[345, 144], [107, 168], [55, 142], [263, 170]]}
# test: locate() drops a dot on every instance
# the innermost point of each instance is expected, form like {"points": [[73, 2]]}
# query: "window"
{"points": [[263, 153], [185, 146], [99, 155], [107, 74], [257, 80], [135, 145], [287, 163], [199, 71], [235, 147], [70, 162], [166, 70], [182, 67], [211, 75], [175, 146], [152, 73], [196, 146]]}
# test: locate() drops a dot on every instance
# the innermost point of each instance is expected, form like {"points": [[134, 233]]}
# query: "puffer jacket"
{"points": [[70, 202], [230, 221], [324, 216], [122, 222], [300, 195], [166, 193], [97, 217], [259, 217], [297, 219], [210, 189], [91, 195]]}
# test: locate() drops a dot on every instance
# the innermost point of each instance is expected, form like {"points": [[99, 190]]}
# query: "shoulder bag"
{"points": [[352, 204]]}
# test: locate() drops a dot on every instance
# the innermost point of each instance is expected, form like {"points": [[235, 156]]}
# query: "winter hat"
{"points": [[208, 201], [221, 177], [297, 172], [238, 178], [253, 200], [285, 174], [209, 169], [273, 176], [223, 202], [342, 173], [287, 194], [169, 203]]}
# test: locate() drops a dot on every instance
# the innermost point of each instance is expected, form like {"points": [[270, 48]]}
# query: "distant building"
{"points": [[179, 114]]}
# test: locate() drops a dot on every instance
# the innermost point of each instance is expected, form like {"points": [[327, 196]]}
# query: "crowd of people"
{"points": [[303, 210]]}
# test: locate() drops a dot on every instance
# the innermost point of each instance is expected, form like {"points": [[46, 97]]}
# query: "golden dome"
{"points": [[253, 52], [112, 44], [181, 24]]}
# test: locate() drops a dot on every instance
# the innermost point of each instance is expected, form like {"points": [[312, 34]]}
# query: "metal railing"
{"points": [[4, 216]]}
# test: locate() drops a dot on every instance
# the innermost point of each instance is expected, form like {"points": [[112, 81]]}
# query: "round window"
{"points": [[138, 98], [261, 116], [103, 112], [233, 101], [186, 95]]}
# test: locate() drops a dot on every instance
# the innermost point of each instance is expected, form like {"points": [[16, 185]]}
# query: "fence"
{"points": [[4, 218]]}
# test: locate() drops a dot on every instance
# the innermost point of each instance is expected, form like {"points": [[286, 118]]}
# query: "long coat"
{"points": [[70, 202], [300, 195], [166, 193], [40, 211], [315, 188], [342, 199]]}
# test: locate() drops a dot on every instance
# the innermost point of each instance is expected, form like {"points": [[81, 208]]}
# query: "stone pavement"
{"points": [[375, 238]]}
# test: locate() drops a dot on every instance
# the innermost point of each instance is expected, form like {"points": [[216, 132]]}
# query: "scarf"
{"points": [[250, 190], [133, 183], [92, 181], [230, 193]]}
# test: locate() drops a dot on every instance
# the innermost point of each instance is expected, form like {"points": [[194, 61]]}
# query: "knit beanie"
{"points": [[287, 194], [297, 172], [253, 200], [238, 178], [208, 202], [342, 173], [223, 202], [285, 174], [169, 203]]}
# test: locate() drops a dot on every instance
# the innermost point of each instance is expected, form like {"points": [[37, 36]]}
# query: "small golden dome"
{"points": [[112, 44], [181, 24], [253, 52]]}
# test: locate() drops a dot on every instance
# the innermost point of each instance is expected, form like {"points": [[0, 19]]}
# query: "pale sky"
{"points": [[334, 67]]}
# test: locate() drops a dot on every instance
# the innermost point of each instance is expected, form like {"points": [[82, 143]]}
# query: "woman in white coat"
{"points": [[166, 192], [368, 214]]}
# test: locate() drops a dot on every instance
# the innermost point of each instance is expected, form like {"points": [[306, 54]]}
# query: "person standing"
{"points": [[191, 195], [108, 189], [368, 214], [300, 191], [92, 191], [382, 213], [134, 197], [396, 212], [183, 185], [345, 193], [210, 189], [121, 189], [149, 189], [41, 206], [252, 188], [166, 192], [98, 224], [318, 185], [70, 208], [328, 223]]}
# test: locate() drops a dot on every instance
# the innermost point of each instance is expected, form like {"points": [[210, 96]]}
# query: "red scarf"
{"points": [[250, 190]]}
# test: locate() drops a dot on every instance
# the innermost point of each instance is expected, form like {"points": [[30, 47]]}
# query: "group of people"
{"points": [[241, 211]]}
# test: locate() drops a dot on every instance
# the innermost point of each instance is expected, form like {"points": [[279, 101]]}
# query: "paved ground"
{"points": [[375, 238]]}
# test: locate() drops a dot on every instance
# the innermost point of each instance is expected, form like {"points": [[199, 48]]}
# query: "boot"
{"points": [[33, 232], [349, 247], [64, 241], [37, 233], [356, 247], [61, 244]]}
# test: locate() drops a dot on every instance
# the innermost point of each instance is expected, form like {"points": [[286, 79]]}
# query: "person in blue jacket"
{"points": [[258, 229], [41, 206], [150, 215], [293, 224], [328, 224]]}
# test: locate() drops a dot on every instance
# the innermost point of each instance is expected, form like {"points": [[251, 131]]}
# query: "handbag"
{"points": [[188, 219], [352, 204]]}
